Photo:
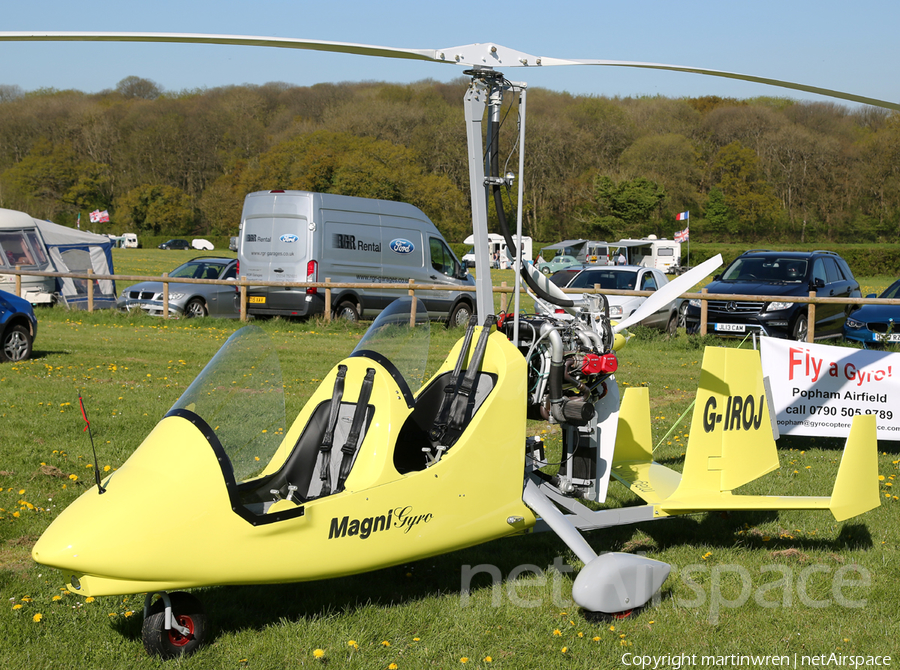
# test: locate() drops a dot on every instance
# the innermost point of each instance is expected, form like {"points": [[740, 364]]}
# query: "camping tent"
{"points": [[74, 250]]}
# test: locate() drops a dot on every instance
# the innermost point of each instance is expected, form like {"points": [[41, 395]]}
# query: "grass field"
{"points": [[744, 583]]}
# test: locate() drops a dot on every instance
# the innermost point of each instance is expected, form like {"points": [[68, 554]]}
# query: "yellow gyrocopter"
{"points": [[381, 468]]}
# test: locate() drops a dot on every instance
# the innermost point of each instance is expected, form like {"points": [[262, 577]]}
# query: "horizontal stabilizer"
{"points": [[633, 460]]}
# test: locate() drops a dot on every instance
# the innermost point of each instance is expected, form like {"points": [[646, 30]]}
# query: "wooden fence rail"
{"points": [[411, 287]]}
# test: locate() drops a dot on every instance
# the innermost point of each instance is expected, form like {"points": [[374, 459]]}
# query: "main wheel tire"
{"points": [[460, 315], [195, 308], [801, 328], [347, 311], [546, 271], [16, 345], [188, 612]]}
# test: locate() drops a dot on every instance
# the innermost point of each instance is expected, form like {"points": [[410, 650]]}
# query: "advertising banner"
{"points": [[817, 389]]}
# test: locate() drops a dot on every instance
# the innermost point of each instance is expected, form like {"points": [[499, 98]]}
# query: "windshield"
{"points": [[391, 337], [768, 269], [239, 394], [624, 280]]}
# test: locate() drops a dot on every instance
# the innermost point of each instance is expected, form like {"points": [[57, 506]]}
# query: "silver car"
{"points": [[188, 300], [630, 278]]}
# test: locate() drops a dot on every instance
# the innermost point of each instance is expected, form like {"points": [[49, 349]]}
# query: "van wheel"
{"points": [[347, 311], [460, 315]]}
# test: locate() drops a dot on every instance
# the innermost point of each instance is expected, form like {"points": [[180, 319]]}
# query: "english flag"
{"points": [[683, 235], [683, 216], [99, 217]]}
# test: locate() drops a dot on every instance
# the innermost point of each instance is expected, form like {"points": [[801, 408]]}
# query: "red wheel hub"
{"points": [[176, 638]]}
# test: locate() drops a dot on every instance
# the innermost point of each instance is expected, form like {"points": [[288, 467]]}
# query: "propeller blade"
{"points": [[486, 55], [669, 292]]}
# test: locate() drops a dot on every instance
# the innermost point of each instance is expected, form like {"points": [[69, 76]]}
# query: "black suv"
{"points": [[778, 273]]}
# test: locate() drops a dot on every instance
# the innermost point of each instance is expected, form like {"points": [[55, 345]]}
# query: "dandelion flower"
{"points": [[89, 599], [392, 666], [55, 598], [17, 606], [488, 659], [556, 631], [37, 617], [564, 649], [464, 659], [319, 653], [385, 643], [353, 644]]}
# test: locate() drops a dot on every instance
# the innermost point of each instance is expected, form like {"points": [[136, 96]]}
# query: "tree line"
{"points": [[178, 163]]}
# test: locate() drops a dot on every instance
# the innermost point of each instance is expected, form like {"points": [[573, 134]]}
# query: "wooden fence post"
{"points": [[811, 319], [90, 290], [704, 308], [243, 299], [165, 292], [327, 300], [412, 310]]}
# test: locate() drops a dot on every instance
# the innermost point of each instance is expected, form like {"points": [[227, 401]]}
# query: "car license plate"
{"points": [[893, 337], [258, 299], [730, 327]]}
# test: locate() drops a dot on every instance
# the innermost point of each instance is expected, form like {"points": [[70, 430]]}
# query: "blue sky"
{"points": [[840, 45]]}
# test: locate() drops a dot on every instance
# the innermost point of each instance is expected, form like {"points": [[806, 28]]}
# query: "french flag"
{"points": [[683, 216]]}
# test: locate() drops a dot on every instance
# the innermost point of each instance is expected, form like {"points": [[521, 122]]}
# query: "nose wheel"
{"points": [[174, 625]]}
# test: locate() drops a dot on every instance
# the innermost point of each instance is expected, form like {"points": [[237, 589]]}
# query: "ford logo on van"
{"points": [[401, 246], [289, 238]]}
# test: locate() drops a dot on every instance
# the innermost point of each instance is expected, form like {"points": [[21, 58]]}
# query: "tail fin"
{"points": [[731, 443], [856, 487]]}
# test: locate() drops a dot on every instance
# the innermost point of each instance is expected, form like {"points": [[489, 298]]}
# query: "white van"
{"points": [[298, 236]]}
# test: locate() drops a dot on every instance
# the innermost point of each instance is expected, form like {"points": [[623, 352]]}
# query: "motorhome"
{"points": [[299, 236], [496, 250], [651, 252], [21, 246], [34, 245]]}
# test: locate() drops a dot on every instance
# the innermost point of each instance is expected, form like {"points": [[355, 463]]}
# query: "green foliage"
{"points": [[630, 203], [156, 209], [737, 173], [787, 170], [327, 162]]}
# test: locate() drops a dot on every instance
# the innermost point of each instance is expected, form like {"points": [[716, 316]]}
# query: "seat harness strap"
{"points": [[328, 439], [464, 400], [348, 451], [437, 431]]}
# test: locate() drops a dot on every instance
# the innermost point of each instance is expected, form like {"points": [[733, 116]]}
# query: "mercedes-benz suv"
{"points": [[758, 278]]}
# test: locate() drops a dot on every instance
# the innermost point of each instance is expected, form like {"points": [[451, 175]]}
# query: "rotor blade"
{"points": [[734, 75], [670, 291], [243, 40], [485, 55]]}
